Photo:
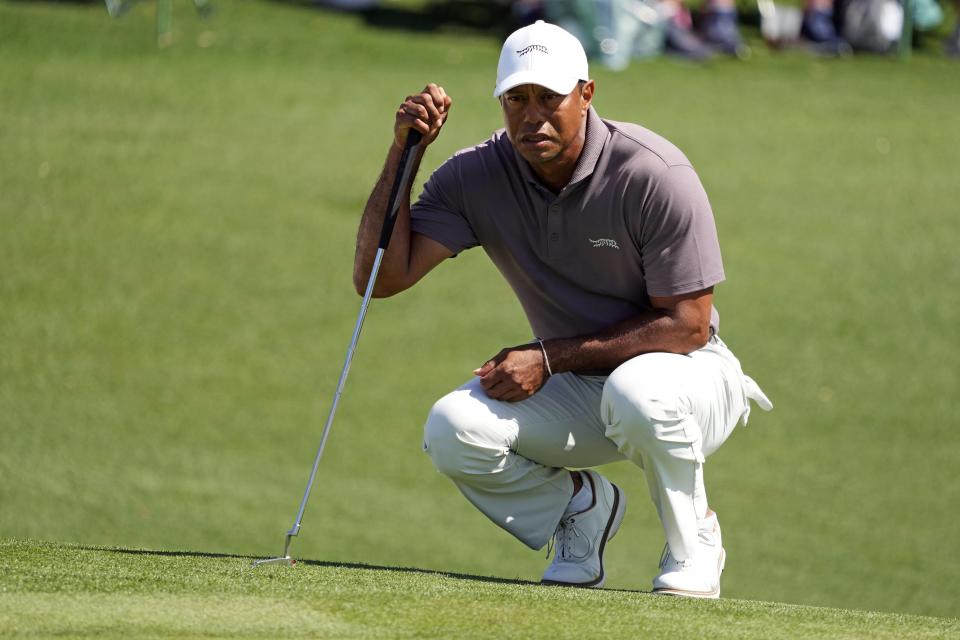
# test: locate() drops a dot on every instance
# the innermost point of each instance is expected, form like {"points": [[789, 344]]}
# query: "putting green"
{"points": [[176, 241], [72, 592]]}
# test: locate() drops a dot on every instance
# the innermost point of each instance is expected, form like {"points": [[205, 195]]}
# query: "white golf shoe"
{"points": [[581, 537], [697, 577]]}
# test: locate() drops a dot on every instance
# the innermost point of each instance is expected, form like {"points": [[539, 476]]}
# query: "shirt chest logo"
{"points": [[604, 242]]}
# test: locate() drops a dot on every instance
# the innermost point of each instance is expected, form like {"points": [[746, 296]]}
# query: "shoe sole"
{"points": [[613, 525], [714, 594]]}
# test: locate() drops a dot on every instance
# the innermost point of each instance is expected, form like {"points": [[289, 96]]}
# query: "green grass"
{"points": [[176, 237], [75, 592]]}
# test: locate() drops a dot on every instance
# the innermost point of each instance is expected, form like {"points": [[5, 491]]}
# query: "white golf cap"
{"points": [[543, 54]]}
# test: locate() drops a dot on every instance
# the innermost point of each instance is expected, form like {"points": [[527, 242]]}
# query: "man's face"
{"points": [[544, 126]]}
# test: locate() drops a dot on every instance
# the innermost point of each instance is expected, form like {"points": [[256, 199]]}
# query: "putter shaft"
{"points": [[404, 170], [295, 529]]}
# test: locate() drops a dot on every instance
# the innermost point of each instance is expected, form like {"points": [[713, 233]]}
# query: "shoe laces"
{"points": [[707, 537], [667, 559], [564, 538]]}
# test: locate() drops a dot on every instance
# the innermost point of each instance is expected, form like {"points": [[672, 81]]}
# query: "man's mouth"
{"points": [[534, 138]]}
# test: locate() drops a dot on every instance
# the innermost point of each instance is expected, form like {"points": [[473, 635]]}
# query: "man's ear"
{"points": [[586, 94]]}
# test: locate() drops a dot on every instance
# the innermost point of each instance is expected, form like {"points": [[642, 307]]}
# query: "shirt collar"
{"points": [[596, 138]]}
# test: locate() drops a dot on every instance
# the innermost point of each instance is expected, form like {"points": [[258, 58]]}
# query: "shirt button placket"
{"points": [[553, 229]]}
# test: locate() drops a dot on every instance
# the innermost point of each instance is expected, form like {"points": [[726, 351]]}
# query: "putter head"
{"points": [[287, 560]]}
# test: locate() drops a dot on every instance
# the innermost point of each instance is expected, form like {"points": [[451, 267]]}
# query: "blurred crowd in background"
{"points": [[617, 31]]}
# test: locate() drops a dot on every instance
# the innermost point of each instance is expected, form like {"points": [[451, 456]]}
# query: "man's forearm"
{"points": [[653, 331], [678, 324], [424, 112], [396, 258]]}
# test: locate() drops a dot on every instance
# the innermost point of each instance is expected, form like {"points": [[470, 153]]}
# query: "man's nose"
{"points": [[531, 112]]}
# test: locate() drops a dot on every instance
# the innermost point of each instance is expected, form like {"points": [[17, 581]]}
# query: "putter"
{"points": [[400, 183]]}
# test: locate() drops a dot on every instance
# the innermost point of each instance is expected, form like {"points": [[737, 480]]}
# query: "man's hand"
{"points": [[426, 112], [514, 374]]}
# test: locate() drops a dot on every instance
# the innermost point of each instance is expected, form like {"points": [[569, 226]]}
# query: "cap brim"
{"points": [[560, 84]]}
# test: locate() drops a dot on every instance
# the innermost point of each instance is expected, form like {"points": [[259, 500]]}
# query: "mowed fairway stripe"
{"points": [[137, 615], [51, 590]]}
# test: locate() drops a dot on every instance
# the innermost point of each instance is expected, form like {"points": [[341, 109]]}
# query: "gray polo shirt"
{"points": [[634, 221]]}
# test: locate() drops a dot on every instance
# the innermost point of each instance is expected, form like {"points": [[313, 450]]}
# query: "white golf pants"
{"points": [[664, 412]]}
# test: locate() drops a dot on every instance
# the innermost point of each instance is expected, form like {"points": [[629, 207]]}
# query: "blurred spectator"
{"points": [[611, 31], [819, 28], [680, 38], [876, 26], [616, 31], [879, 26], [718, 25], [717, 30], [952, 48]]}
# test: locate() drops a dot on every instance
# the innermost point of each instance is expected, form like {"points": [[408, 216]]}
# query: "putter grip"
{"points": [[399, 187]]}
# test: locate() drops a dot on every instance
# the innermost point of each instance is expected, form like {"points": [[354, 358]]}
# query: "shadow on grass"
{"points": [[339, 565]]}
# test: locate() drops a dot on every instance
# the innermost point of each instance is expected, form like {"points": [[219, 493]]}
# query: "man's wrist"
{"points": [[569, 355], [557, 350], [546, 358]]}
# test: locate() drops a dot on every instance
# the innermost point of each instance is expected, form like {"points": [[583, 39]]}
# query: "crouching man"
{"points": [[605, 234]]}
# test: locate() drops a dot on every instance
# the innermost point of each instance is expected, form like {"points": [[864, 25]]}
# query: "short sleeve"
{"points": [[679, 245], [439, 213]]}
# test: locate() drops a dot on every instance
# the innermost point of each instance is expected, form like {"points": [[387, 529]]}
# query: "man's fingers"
{"points": [[446, 103], [498, 387], [490, 379], [438, 96], [435, 91], [427, 109], [514, 395], [491, 365], [494, 388], [505, 393], [501, 387], [445, 100], [421, 107], [425, 119], [419, 125], [416, 110], [510, 393], [437, 103], [433, 100], [406, 120], [424, 112], [486, 368]]}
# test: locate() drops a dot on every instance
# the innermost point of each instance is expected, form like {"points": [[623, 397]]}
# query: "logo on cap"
{"points": [[533, 47]]}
